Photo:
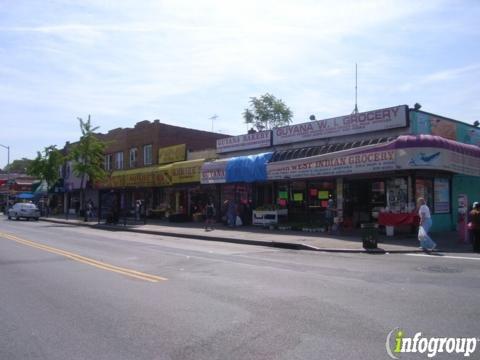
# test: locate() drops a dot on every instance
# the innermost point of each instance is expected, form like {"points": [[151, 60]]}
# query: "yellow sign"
{"points": [[177, 173], [162, 176], [171, 154], [143, 179], [114, 180], [297, 196], [323, 195], [186, 171]]}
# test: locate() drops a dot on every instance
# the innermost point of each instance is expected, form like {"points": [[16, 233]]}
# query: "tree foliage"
{"points": [[267, 112], [88, 154], [46, 166], [18, 166]]}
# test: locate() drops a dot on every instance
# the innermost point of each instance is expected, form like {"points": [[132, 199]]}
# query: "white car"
{"points": [[22, 210]]}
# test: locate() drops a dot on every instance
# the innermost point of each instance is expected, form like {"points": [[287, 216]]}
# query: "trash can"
{"points": [[369, 236]]}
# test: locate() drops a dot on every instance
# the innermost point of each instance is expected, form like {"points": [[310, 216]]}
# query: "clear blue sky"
{"points": [[183, 61]]}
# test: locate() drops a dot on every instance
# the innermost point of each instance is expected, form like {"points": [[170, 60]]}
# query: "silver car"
{"points": [[22, 210]]}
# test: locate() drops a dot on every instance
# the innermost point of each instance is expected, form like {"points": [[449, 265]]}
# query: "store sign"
{"points": [[139, 179], [162, 176], [214, 172], [334, 164], [244, 142], [375, 120], [146, 177], [172, 154], [186, 171], [438, 159]]}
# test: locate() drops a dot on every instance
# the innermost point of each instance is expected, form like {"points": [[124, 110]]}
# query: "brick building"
{"points": [[146, 138], [148, 162]]}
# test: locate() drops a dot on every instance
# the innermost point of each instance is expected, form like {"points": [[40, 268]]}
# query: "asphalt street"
{"points": [[70, 292]]}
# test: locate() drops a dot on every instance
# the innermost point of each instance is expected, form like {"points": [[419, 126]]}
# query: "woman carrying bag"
{"points": [[426, 242]]}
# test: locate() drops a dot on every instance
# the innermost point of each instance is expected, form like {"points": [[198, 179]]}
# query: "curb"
{"points": [[275, 244]]}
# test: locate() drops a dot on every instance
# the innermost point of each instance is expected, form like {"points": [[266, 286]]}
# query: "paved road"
{"points": [[76, 293]]}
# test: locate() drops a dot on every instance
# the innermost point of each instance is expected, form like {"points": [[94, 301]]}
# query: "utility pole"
{"points": [[8, 174]]}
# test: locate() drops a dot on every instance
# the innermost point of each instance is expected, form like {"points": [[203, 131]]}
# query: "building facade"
{"points": [[373, 164], [155, 163]]}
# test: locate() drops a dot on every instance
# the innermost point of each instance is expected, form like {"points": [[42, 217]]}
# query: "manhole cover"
{"points": [[441, 269]]}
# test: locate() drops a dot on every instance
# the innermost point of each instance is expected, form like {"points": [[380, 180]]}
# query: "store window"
{"points": [[282, 195], [319, 192], [297, 193], [397, 195], [147, 155], [264, 195], [119, 160], [133, 157], [441, 198], [424, 188], [108, 162], [436, 191]]}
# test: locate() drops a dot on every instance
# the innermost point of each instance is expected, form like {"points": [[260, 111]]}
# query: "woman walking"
{"points": [[475, 226], [426, 242]]}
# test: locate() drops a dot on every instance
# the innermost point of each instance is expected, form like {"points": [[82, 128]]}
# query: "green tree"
{"points": [[88, 156], [18, 166], [267, 112], [46, 166]]}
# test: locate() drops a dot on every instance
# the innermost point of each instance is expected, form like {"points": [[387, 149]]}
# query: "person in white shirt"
{"points": [[426, 242]]}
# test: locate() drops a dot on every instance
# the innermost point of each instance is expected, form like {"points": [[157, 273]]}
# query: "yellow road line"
{"points": [[85, 260]]}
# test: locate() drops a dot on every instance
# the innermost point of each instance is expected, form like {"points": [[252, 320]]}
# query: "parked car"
{"points": [[22, 210]]}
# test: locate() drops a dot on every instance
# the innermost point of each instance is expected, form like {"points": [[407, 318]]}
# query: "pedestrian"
{"points": [[330, 214], [89, 209], [474, 226], [138, 205], [426, 242], [209, 215], [231, 213]]}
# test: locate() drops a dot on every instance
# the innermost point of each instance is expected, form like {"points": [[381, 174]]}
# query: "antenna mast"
{"points": [[355, 110], [214, 117]]}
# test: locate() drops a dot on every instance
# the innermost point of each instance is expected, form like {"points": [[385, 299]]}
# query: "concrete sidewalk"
{"points": [[298, 240]]}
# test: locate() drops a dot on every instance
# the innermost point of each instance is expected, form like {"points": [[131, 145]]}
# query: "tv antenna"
{"points": [[214, 117], [355, 110]]}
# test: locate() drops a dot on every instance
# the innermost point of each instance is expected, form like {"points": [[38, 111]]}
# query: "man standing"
{"points": [[209, 215], [330, 214], [426, 243], [474, 226]]}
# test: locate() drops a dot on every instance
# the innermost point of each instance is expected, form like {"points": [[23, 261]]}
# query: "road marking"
{"points": [[84, 260], [445, 256]]}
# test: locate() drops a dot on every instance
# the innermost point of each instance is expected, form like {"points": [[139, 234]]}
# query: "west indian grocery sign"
{"points": [[406, 152], [375, 120], [334, 164], [244, 142]]}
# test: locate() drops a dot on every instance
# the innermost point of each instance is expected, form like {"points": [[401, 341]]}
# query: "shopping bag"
{"points": [[421, 233], [238, 221]]}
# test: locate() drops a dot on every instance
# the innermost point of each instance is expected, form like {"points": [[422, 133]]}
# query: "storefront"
{"points": [[241, 181], [383, 178], [168, 191]]}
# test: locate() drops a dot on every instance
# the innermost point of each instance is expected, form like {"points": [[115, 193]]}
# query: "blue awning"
{"points": [[25, 196], [248, 168]]}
